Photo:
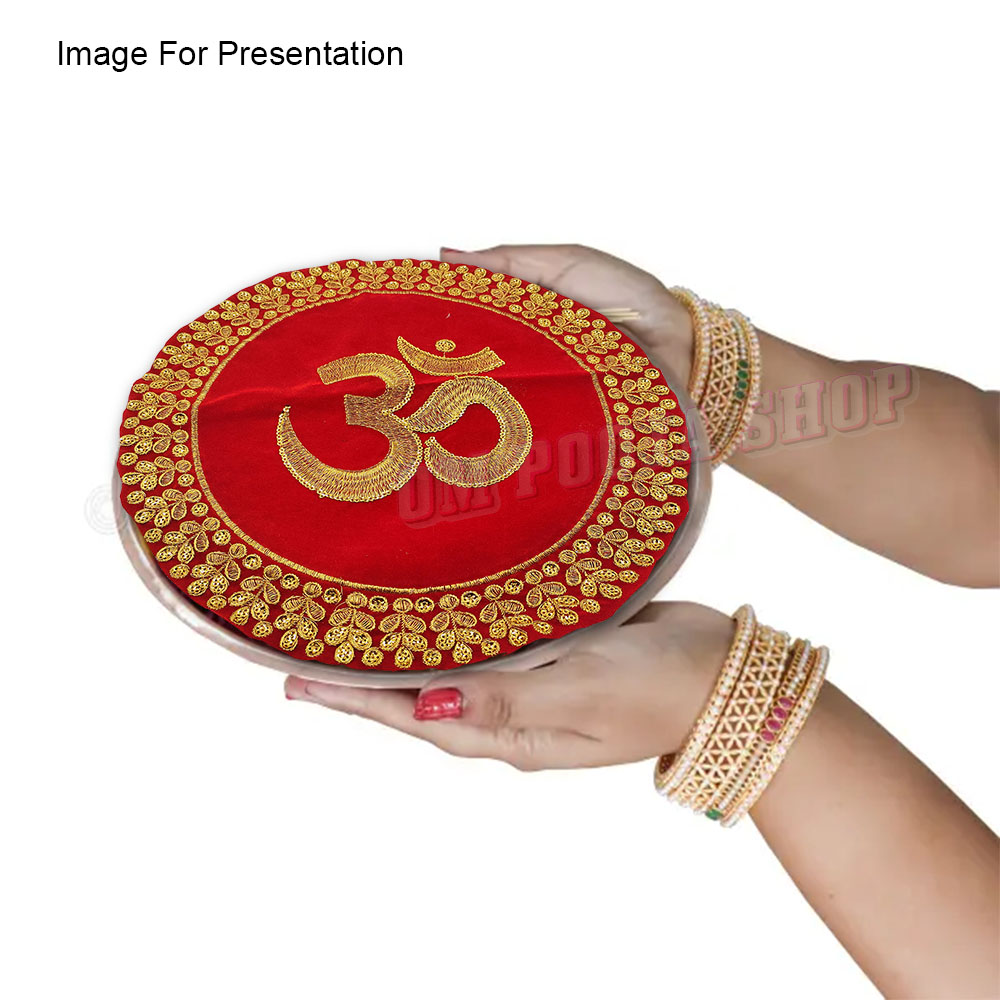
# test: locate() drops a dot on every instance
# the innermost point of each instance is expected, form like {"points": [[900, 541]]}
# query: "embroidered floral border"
{"points": [[610, 556]]}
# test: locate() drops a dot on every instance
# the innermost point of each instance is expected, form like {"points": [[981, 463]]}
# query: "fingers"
{"points": [[544, 265], [632, 298], [525, 749], [562, 696], [394, 709], [619, 694]]}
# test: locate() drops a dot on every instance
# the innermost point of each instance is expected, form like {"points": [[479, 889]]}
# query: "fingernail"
{"points": [[439, 703], [451, 250]]}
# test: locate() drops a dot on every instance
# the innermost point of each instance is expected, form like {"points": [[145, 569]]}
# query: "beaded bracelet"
{"points": [[725, 371], [761, 699]]}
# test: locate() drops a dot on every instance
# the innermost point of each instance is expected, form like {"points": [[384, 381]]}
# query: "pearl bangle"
{"points": [[781, 747], [736, 730], [761, 699], [774, 723], [725, 371], [672, 769]]}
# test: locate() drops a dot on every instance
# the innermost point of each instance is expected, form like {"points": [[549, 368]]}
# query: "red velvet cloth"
{"points": [[431, 575]]}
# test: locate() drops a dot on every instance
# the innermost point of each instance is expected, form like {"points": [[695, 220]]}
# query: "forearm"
{"points": [[900, 870], [905, 463]]}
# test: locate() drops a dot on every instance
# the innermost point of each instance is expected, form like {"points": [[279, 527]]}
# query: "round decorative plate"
{"points": [[396, 465]]}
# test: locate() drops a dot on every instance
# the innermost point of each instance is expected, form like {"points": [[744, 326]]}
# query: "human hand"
{"points": [[621, 693], [602, 282]]}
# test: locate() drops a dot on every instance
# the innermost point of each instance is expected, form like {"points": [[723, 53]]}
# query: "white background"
{"points": [[171, 825]]}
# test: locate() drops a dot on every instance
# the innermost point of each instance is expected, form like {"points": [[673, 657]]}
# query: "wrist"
{"points": [[759, 703], [698, 649]]}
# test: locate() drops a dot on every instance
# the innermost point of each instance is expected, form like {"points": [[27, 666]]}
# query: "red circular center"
{"points": [[427, 533]]}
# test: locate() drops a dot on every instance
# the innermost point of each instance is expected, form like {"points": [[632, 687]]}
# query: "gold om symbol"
{"points": [[444, 407]]}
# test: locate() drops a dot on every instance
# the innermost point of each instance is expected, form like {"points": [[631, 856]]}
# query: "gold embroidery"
{"points": [[160, 472], [161, 405], [405, 275], [300, 617], [472, 284], [432, 364], [273, 300], [456, 629], [550, 599], [537, 304], [219, 569], [372, 275], [438, 279], [445, 407], [337, 282], [166, 378], [350, 630], [375, 412], [255, 596], [434, 271], [191, 539], [306, 287], [218, 578], [505, 615], [403, 632]]}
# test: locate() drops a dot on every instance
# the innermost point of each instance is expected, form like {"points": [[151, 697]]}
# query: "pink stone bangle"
{"points": [[758, 706], [733, 740], [775, 721], [780, 747]]}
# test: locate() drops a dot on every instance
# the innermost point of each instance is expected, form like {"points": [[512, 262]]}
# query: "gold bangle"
{"points": [[761, 699], [718, 402], [799, 660], [747, 392], [735, 732], [699, 323], [781, 746], [725, 371], [672, 769]]}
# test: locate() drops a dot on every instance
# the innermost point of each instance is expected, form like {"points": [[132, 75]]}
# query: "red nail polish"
{"points": [[439, 703], [451, 250]]}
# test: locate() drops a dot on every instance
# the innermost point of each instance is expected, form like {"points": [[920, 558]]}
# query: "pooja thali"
{"points": [[370, 470]]}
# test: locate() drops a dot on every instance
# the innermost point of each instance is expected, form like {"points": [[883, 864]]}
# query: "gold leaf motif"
{"points": [[471, 284], [372, 276], [406, 275], [306, 288], [439, 279], [337, 282]]}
